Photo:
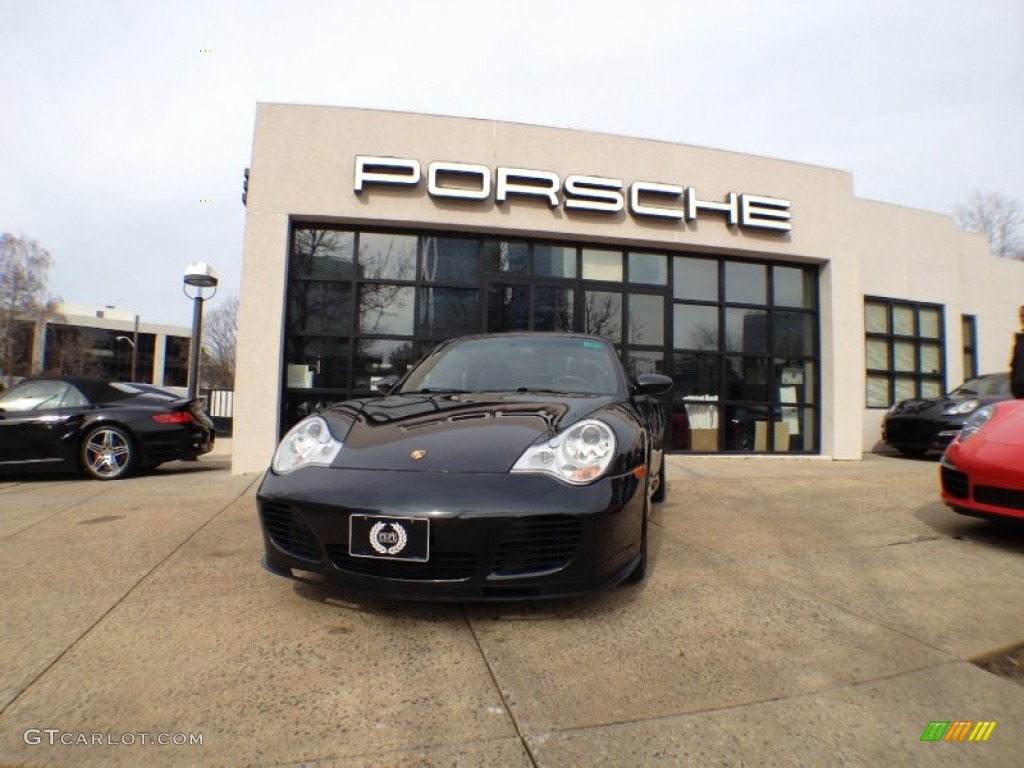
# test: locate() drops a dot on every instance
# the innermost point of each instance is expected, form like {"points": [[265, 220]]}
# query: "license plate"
{"points": [[390, 538]]}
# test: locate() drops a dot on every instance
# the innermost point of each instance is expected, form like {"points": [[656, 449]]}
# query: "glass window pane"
{"points": [[746, 283], [903, 320], [323, 253], [648, 268], [695, 279], [646, 320], [793, 334], [876, 318], [645, 362], [931, 358], [878, 355], [746, 331], [554, 261], [746, 378], [931, 388], [448, 312], [694, 327], [903, 356], [695, 376], [602, 265], [878, 392], [695, 426], [805, 440], [970, 366], [312, 361], [451, 260], [387, 257], [319, 308], [793, 287], [795, 381], [507, 308], [386, 310], [504, 256], [602, 315], [553, 309], [931, 322], [377, 358], [905, 388], [746, 428]]}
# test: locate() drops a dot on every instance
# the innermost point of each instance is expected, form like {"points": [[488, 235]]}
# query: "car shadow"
{"points": [[1006, 535]]}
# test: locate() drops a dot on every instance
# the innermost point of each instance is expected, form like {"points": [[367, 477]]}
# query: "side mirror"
{"points": [[652, 384], [385, 385]]}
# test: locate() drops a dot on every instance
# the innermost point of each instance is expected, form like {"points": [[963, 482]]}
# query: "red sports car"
{"points": [[983, 468]]}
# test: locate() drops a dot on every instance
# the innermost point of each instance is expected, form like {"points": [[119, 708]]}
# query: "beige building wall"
{"points": [[303, 165]]}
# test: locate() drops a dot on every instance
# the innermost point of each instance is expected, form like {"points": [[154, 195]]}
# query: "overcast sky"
{"points": [[117, 123]]}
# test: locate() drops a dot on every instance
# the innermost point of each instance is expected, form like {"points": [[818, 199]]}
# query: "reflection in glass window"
{"points": [[447, 312], [746, 331], [746, 378], [648, 268], [316, 362], [505, 256], [553, 309], [602, 265], [507, 308], [746, 283], [554, 261], [451, 260], [793, 334], [602, 315], [792, 287], [386, 310], [695, 327], [327, 254], [645, 362], [646, 320], [695, 279], [319, 308], [377, 358], [695, 376], [387, 257]]}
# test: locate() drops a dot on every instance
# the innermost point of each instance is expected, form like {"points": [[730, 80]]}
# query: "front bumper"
{"points": [[492, 536], [973, 484], [922, 434]]}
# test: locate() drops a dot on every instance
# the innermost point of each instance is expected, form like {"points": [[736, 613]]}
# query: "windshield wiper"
{"points": [[437, 391]]}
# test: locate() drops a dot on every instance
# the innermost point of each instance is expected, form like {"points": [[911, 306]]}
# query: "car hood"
{"points": [[473, 432], [932, 407]]}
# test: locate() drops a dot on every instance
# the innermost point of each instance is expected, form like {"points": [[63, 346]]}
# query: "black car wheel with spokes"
{"points": [[108, 453]]}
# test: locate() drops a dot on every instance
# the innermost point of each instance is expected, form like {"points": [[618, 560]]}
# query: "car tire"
{"points": [[640, 569], [659, 494], [108, 453]]}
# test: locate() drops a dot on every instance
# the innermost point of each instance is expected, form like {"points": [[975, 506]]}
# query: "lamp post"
{"points": [[198, 275], [132, 343]]}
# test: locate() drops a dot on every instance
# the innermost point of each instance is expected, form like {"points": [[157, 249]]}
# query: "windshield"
{"points": [[990, 384], [518, 364]]}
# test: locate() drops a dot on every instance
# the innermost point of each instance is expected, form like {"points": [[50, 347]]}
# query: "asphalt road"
{"points": [[796, 612]]}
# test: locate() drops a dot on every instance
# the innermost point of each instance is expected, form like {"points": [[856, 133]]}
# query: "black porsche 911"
{"points": [[504, 466], [916, 426], [105, 429]]}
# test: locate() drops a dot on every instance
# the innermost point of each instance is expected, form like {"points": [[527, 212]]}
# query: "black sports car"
{"points": [[106, 429], [915, 427], [499, 467]]}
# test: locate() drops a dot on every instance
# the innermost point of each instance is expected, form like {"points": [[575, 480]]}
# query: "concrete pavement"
{"points": [[796, 612]]}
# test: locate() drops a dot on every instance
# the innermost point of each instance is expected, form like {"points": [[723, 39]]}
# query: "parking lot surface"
{"points": [[796, 612]]}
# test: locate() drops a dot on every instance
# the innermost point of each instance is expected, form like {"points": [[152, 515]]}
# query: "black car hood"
{"points": [[933, 407], [473, 432]]}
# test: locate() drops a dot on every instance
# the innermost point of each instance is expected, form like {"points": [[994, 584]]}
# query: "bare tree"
{"points": [[220, 329], [996, 216], [24, 300]]}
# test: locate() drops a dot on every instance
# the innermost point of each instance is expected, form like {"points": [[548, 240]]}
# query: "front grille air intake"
{"points": [[537, 545], [289, 532]]}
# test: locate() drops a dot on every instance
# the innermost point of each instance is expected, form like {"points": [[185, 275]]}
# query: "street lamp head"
{"points": [[201, 275]]}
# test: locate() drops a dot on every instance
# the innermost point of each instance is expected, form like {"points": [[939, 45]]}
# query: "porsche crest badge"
{"points": [[417, 454]]}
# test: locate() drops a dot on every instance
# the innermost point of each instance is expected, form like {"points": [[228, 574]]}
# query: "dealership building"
{"points": [[790, 313]]}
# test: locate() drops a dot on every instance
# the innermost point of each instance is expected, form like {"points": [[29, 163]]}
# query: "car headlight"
{"points": [[976, 422], [961, 408], [577, 455], [308, 443]]}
